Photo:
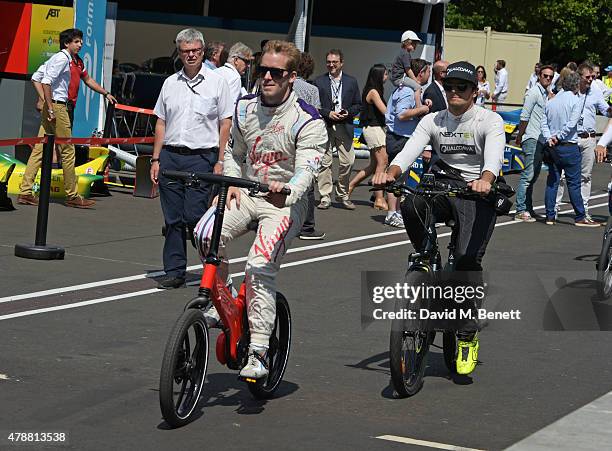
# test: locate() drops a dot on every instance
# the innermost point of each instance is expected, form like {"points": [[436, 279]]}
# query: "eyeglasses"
{"points": [[188, 51], [244, 60], [333, 63], [548, 77], [460, 88], [275, 72]]}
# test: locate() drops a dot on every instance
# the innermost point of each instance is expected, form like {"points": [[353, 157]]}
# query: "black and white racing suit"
{"points": [[465, 146]]}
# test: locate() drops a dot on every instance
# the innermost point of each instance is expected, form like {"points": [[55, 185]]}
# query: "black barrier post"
{"points": [[39, 250], [108, 122]]}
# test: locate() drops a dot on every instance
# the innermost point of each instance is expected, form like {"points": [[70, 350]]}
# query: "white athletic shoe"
{"points": [[212, 319], [257, 366]]}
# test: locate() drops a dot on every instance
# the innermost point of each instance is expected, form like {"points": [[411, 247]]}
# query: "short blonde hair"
{"points": [[287, 48]]}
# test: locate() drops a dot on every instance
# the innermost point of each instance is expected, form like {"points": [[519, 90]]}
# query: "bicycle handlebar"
{"points": [[439, 188], [215, 179]]}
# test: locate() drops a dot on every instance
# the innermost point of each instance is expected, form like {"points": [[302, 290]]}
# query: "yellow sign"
{"points": [[47, 23]]}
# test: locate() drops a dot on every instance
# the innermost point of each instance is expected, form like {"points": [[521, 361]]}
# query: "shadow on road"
{"points": [[224, 389]]}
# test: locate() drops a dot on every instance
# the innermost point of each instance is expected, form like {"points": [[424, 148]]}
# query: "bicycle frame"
{"points": [[232, 343]]}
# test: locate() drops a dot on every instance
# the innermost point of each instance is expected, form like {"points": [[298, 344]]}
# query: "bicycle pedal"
{"points": [[248, 380]]}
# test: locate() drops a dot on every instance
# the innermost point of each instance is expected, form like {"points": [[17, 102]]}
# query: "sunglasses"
{"points": [[462, 87], [548, 77], [244, 60], [275, 72]]}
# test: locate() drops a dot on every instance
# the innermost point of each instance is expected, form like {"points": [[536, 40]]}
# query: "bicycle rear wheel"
{"points": [[409, 343], [278, 352], [184, 368], [604, 264]]}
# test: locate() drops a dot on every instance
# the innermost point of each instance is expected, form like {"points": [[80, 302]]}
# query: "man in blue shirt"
{"points": [[591, 101], [403, 114], [560, 130], [530, 138]]}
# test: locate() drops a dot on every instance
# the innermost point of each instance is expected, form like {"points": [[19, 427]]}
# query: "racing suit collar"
{"points": [[278, 109], [468, 115]]}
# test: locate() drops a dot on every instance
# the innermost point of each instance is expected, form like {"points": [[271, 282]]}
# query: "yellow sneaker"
{"points": [[467, 355]]}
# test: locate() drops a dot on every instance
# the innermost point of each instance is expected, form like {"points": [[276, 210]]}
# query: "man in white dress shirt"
{"points": [[501, 82], [194, 111], [56, 121], [238, 61]]}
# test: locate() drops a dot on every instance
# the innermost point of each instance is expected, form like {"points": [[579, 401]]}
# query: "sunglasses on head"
{"points": [[275, 72], [457, 87]]}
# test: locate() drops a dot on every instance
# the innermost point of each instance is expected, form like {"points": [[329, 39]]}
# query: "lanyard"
{"points": [[335, 87], [194, 86]]}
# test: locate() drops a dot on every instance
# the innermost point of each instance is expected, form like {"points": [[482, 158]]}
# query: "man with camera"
{"points": [[340, 103]]}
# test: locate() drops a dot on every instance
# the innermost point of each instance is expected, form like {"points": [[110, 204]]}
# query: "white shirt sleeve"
{"points": [[495, 143], [606, 138], [225, 101], [54, 67], [160, 105], [38, 75]]}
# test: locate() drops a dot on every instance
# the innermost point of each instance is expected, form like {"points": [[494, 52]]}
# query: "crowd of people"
{"points": [[281, 130]]}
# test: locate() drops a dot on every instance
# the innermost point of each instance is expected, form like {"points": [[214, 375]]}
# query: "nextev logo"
{"points": [[466, 135], [53, 12]]}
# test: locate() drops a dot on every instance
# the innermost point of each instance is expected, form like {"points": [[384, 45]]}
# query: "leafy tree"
{"points": [[572, 30]]}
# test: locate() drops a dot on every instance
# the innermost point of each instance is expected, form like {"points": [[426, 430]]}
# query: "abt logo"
{"points": [[53, 12]]}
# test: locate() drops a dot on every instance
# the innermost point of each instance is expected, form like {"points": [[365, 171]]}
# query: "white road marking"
{"points": [[425, 443], [154, 290]]}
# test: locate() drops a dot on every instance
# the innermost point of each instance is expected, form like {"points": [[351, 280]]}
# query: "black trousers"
{"points": [[309, 223], [182, 207]]}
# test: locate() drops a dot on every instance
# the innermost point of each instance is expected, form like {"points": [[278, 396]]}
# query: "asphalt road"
{"points": [[85, 360]]}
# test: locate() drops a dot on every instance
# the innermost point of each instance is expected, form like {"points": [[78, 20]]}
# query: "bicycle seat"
{"points": [[450, 223]]}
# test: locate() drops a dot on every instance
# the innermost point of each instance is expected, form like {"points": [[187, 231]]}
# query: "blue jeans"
{"points": [[532, 149], [569, 159]]}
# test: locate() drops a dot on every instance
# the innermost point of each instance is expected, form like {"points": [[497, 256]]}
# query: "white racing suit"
{"points": [[286, 144]]}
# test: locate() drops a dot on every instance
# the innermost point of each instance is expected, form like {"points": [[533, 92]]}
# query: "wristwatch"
{"points": [[154, 160]]}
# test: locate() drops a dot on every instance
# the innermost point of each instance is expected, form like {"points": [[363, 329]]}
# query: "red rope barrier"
{"points": [[90, 141], [18, 141], [133, 109], [97, 141]]}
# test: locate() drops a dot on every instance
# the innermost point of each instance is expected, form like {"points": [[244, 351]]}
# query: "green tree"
{"points": [[572, 30]]}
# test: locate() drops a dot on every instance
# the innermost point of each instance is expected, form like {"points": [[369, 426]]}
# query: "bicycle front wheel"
{"points": [[604, 264], [184, 368], [278, 352], [409, 344]]}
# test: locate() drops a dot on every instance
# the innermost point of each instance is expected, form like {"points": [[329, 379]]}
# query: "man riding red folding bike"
{"points": [[282, 140]]}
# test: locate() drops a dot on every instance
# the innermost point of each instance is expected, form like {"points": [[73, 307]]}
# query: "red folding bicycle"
{"points": [[185, 361]]}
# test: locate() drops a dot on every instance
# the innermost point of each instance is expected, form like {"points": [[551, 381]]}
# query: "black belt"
{"points": [[61, 102], [181, 150], [587, 135]]}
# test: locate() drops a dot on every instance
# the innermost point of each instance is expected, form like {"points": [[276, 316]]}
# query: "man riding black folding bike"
{"points": [[468, 142]]}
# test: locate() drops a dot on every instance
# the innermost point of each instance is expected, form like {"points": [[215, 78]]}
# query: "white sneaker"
{"points": [[395, 220], [212, 319], [257, 366]]}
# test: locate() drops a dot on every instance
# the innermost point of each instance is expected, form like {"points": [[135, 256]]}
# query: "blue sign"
{"points": [[90, 17]]}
